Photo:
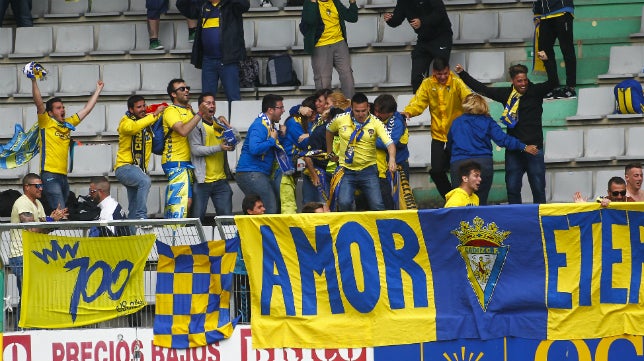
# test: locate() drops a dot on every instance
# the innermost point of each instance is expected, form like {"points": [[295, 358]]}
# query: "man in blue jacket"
{"points": [[255, 163], [219, 45], [325, 38]]}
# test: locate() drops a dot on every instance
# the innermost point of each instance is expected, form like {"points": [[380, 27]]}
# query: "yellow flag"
{"points": [[76, 281]]}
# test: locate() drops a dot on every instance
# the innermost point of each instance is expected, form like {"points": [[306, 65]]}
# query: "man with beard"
{"points": [[133, 156]]}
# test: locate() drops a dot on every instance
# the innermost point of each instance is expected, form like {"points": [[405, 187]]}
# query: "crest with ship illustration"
{"points": [[481, 246]]}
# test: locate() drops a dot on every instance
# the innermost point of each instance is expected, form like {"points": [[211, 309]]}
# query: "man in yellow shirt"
{"points": [[55, 135], [178, 122], [208, 150], [325, 38], [358, 131], [443, 93], [464, 195], [133, 157]]}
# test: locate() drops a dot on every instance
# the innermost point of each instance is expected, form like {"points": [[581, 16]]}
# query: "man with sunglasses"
{"points": [[178, 121], [28, 208], [616, 193]]}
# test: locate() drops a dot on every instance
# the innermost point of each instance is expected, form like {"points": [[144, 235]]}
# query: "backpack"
{"points": [[248, 73], [83, 208], [629, 98], [7, 199], [279, 70]]}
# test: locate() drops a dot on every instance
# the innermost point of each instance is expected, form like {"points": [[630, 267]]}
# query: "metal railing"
{"points": [[170, 231]]}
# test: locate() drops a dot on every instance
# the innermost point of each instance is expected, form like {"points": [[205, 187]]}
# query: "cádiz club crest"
{"points": [[482, 249]]}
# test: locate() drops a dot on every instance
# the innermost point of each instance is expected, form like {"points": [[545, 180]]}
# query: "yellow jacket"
{"points": [[134, 142], [445, 103]]}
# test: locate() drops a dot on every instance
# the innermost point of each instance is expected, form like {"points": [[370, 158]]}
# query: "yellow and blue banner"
{"points": [[541, 272], [77, 281], [20, 149], [194, 285]]}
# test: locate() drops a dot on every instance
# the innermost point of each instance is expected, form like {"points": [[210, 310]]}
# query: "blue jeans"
{"points": [[55, 189], [260, 184], [212, 70], [517, 163], [21, 11], [219, 192], [310, 193], [16, 266], [138, 185], [367, 181]]}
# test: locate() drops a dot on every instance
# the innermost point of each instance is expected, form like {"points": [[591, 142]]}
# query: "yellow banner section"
{"points": [[593, 263], [312, 281], [76, 281]]}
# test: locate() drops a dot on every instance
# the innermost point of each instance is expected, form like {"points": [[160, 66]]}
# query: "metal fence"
{"points": [[170, 231]]}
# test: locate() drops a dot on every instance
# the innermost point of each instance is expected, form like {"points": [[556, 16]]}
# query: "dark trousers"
{"points": [[440, 167], [559, 27], [422, 56]]}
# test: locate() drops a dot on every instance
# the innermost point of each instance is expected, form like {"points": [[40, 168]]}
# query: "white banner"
{"points": [[129, 344]]}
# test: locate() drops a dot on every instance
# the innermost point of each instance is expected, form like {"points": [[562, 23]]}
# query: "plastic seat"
{"points": [[67, 9], [379, 4], [265, 35], [155, 201], [369, 70], [243, 113], [514, 25], [182, 45], [78, 79], [594, 103], [419, 150], [11, 115], [526, 191], [114, 39], [401, 35], [108, 8], [478, 27], [166, 36], [460, 2], [455, 20], [601, 181], [308, 83], [249, 33], [113, 114], [238, 197], [399, 71], [8, 80], [634, 144], [498, 1], [73, 41], [152, 83], [564, 145], [92, 160], [605, 143], [33, 42], [137, 7], [192, 76], [6, 41], [566, 183], [625, 62], [93, 124], [423, 119], [488, 66], [641, 32], [362, 33], [122, 78]]}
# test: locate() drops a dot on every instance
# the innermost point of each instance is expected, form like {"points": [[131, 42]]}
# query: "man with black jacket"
{"points": [[523, 107], [429, 20], [219, 45]]}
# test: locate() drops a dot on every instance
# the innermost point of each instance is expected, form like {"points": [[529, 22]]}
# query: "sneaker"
{"points": [[566, 93], [550, 94], [191, 37], [155, 44]]}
